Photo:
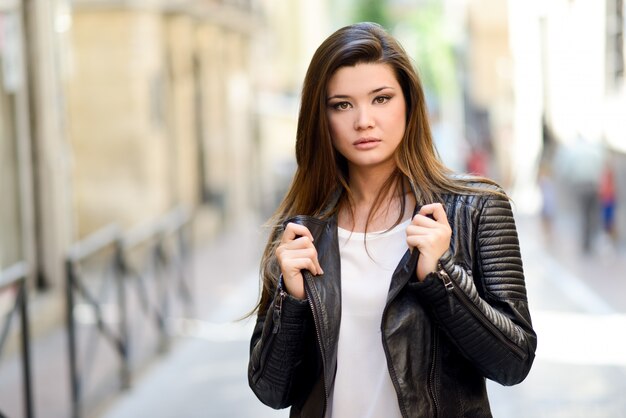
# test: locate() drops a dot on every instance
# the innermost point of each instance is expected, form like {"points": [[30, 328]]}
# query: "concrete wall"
{"points": [[10, 224], [282, 54], [16, 225], [575, 67], [133, 110], [182, 114], [213, 126], [492, 86], [118, 118]]}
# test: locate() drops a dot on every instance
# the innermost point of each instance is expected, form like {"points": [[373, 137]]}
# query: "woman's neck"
{"points": [[366, 186]]}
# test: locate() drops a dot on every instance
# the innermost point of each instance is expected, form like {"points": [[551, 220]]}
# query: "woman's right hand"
{"points": [[295, 253]]}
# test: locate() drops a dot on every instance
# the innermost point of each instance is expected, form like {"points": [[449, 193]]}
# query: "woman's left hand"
{"points": [[430, 235]]}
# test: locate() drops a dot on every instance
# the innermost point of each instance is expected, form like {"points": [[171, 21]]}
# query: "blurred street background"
{"points": [[143, 143]]}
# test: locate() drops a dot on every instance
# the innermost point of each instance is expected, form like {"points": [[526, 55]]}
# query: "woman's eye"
{"points": [[341, 106], [381, 99]]}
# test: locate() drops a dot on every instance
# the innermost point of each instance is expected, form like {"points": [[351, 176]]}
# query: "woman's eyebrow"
{"points": [[380, 89], [346, 96], [338, 96]]}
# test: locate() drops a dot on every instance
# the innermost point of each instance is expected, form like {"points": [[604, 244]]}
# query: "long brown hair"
{"points": [[322, 171]]}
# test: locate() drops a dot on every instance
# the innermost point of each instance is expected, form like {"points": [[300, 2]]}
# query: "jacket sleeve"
{"points": [[492, 328], [276, 349]]}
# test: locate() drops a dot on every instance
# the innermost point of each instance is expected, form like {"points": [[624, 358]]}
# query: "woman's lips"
{"points": [[366, 143]]}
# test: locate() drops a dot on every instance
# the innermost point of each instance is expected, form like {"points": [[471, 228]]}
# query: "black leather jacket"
{"points": [[442, 337]]}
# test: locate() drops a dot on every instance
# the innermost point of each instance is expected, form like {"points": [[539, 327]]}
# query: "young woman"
{"points": [[391, 287]]}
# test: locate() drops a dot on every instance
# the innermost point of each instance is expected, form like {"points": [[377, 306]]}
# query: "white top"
{"points": [[363, 387]]}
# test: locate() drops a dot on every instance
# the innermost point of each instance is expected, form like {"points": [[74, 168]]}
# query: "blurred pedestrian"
{"points": [[547, 188], [477, 161], [582, 167], [405, 321], [608, 200]]}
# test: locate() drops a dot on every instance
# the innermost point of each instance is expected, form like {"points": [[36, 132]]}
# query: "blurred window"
{"points": [[10, 219], [615, 44]]}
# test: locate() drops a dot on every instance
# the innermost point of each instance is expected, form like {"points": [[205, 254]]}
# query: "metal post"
{"points": [[28, 388], [120, 275], [186, 284], [72, 343], [162, 296]]}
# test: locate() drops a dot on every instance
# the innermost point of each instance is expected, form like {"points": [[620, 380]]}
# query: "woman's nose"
{"points": [[364, 119]]}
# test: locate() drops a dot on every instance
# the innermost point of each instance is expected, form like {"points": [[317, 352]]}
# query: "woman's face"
{"points": [[367, 114]]}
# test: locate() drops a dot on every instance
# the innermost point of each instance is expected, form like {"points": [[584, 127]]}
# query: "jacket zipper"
{"points": [[276, 319], [278, 308], [464, 300], [433, 371], [307, 276]]}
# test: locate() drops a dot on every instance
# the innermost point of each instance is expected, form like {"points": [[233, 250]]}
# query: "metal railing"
{"points": [[15, 276], [160, 251], [164, 244], [93, 246]]}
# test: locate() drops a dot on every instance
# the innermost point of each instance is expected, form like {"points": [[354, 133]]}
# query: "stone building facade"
{"points": [[117, 112]]}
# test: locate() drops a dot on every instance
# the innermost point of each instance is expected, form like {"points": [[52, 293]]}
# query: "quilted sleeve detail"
{"points": [[493, 331], [276, 349]]}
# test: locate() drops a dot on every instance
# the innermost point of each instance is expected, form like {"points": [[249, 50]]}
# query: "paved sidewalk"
{"points": [[205, 375]]}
